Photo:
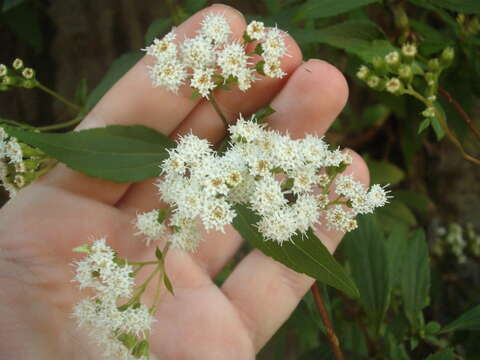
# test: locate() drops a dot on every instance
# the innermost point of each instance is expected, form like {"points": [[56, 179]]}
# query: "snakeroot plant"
{"points": [[287, 186]]}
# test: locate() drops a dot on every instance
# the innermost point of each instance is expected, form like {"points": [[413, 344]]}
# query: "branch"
{"points": [[460, 111], [331, 336]]}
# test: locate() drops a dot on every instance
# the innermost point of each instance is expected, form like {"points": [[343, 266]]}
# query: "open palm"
{"points": [[64, 209]]}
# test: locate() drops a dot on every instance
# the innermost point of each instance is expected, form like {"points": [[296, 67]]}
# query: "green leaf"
{"points": [[118, 68], [156, 29], [467, 321], [395, 213], [116, 153], [193, 6], [10, 4], [396, 247], [263, 113], [316, 9], [158, 254], [423, 125], [446, 354], [459, 6], [417, 201], [415, 282], [168, 284], [304, 254], [384, 172], [360, 37], [367, 257]]}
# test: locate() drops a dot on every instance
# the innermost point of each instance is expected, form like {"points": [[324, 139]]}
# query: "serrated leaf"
{"points": [[118, 68], [156, 29], [168, 284], [415, 282], [446, 354], [116, 153], [316, 9], [304, 254], [367, 257], [469, 320], [384, 172]]}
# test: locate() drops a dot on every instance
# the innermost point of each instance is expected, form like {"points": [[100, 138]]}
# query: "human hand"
{"points": [[64, 209]]}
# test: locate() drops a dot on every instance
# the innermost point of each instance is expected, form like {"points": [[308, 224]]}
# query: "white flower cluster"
{"points": [[212, 58], [100, 315], [19, 163], [287, 182]]}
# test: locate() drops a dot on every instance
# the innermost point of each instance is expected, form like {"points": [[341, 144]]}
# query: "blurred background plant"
{"points": [[413, 67]]}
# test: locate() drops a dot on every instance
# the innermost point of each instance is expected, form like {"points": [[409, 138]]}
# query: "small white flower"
{"points": [[377, 196], [148, 225], [17, 64], [3, 70], [363, 72], [246, 130], [307, 213], [339, 219], [274, 45], [272, 68], [186, 235], [279, 226], [394, 85], [13, 151], [202, 81], [198, 53], [232, 60], [267, 197], [256, 30], [169, 75], [392, 58], [217, 213], [346, 186], [215, 28], [164, 49], [409, 50]]}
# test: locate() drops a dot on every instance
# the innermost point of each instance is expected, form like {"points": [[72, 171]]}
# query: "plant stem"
{"points": [[443, 124], [219, 112], [58, 96], [13, 122], [331, 336], [72, 122], [460, 111]]}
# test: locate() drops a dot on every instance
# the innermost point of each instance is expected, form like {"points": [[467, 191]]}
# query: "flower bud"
{"points": [[434, 65], [429, 112], [461, 18], [394, 86], [17, 64], [379, 65], [363, 72], [448, 54], [432, 98], [393, 59], [375, 82], [28, 73], [405, 72], [431, 78], [409, 51], [3, 70]]}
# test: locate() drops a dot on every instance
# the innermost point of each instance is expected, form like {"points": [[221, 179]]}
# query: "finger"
{"points": [[133, 100], [266, 292]]}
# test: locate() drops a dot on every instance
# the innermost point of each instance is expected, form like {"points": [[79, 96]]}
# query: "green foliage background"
{"points": [[413, 288]]}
